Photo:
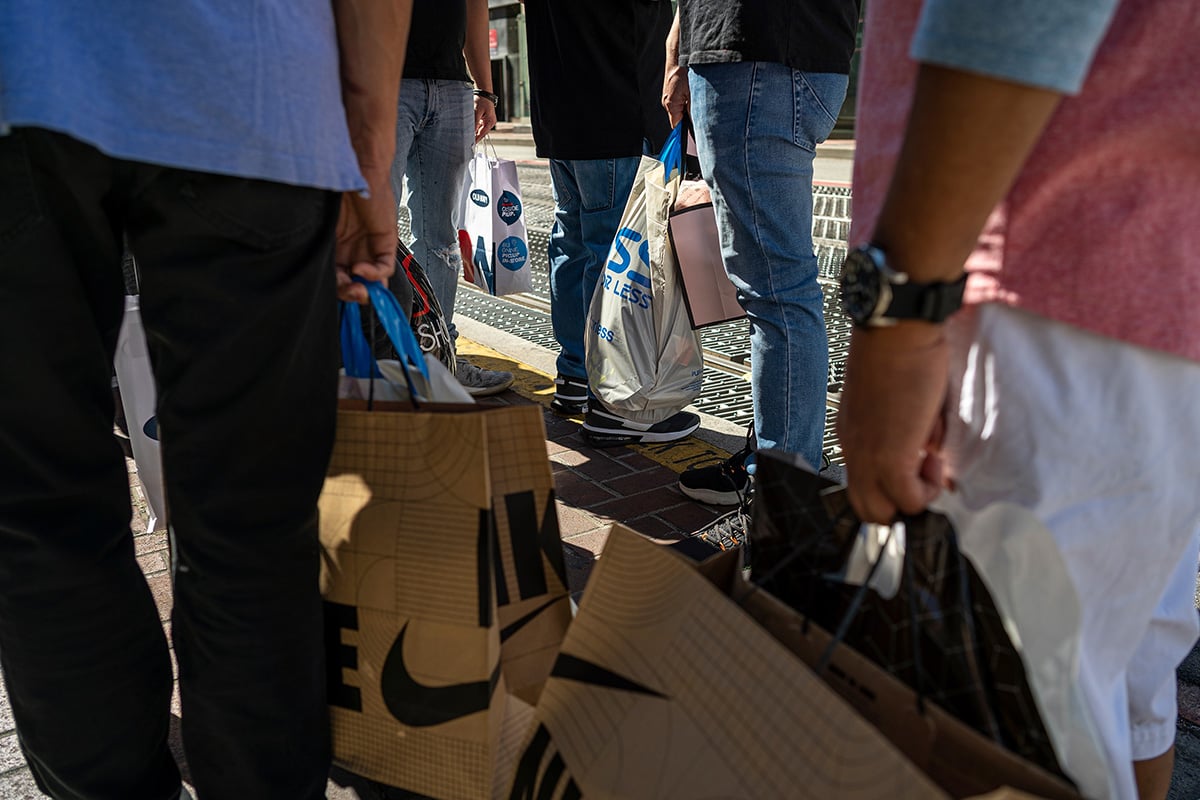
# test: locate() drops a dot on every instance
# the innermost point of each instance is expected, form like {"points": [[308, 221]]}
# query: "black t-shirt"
{"points": [[808, 35], [595, 76], [436, 39]]}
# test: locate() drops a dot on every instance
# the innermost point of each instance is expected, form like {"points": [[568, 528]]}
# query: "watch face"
{"points": [[860, 287]]}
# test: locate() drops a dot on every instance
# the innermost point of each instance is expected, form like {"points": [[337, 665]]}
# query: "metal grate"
{"points": [[726, 392]]}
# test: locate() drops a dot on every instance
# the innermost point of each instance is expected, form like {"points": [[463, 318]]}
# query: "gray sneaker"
{"points": [[480, 382]]}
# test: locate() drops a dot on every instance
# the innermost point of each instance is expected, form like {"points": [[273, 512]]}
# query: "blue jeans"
{"points": [[589, 199], [435, 133], [757, 125]]}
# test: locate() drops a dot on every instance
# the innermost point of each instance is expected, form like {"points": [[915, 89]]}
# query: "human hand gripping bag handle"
{"points": [[415, 376], [644, 360], [493, 237]]}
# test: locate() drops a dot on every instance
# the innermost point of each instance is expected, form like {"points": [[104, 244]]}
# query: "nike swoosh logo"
{"points": [[151, 429], [419, 706], [506, 633], [573, 668]]}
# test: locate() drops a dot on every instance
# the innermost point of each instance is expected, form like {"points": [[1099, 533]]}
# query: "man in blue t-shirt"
{"points": [[242, 151]]}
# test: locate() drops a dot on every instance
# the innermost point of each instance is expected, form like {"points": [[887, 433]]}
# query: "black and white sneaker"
{"points": [[570, 396], [480, 382], [602, 429], [724, 484]]}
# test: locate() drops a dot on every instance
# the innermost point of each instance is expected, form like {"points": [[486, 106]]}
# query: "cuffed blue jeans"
{"points": [[589, 199], [757, 125], [435, 132]]}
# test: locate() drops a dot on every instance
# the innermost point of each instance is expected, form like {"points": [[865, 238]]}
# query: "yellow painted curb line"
{"points": [[536, 385]]}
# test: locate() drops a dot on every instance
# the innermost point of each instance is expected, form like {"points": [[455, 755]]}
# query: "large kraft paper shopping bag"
{"points": [[444, 588], [667, 688]]}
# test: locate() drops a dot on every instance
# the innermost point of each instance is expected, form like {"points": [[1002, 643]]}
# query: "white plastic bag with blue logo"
{"points": [[495, 247], [644, 361]]}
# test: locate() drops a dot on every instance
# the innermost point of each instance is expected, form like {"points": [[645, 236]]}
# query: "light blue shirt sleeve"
{"points": [[1044, 43]]}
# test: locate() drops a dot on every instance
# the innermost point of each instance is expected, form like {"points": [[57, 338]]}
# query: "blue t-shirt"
{"points": [[237, 87], [1046, 43]]}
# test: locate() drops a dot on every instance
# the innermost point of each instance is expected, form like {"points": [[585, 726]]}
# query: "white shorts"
{"points": [[1101, 441]]}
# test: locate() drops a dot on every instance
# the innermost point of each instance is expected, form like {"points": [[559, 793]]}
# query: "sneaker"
{"points": [[480, 382], [729, 531], [724, 484], [570, 396], [602, 429]]}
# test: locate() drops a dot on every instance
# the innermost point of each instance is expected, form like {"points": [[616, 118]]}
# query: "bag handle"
{"points": [[671, 155], [358, 358], [838, 636]]}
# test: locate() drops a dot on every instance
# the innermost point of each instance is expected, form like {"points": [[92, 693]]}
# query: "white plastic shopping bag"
{"points": [[1013, 550], [136, 381], [644, 360], [493, 237]]}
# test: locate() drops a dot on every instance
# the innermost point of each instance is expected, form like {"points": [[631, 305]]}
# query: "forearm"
{"points": [[372, 39], [672, 64], [477, 50], [966, 141]]}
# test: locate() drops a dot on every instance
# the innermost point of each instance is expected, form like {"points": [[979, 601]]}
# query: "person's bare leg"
{"points": [[1153, 775]]}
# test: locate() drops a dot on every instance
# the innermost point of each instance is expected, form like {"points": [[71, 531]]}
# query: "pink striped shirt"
{"points": [[1102, 228]]}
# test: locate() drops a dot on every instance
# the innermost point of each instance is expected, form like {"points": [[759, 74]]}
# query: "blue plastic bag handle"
{"points": [[357, 358], [672, 152]]}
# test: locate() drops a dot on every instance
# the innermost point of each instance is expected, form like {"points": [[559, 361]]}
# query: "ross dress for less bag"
{"points": [[445, 591], [644, 360], [138, 396], [495, 248], [682, 682]]}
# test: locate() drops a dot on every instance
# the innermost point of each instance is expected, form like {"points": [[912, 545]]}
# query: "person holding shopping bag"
{"points": [[442, 116], [594, 72]]}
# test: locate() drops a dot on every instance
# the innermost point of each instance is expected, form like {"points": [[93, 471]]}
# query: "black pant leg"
{"points": [[238, 300], [81, 644]]}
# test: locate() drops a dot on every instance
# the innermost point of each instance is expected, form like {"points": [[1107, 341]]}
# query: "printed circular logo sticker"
{"points": [[512, 253], [509, 208], [480, 198]]}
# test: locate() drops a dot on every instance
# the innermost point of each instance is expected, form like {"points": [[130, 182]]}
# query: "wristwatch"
{"points": [[874, 295]]}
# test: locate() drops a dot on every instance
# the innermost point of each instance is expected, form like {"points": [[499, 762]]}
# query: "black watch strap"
{"points": [[932, 302], [486, 95]]}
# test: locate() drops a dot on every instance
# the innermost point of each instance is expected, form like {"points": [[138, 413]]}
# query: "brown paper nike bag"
{"points": [[445, 592], [666, 688]]}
